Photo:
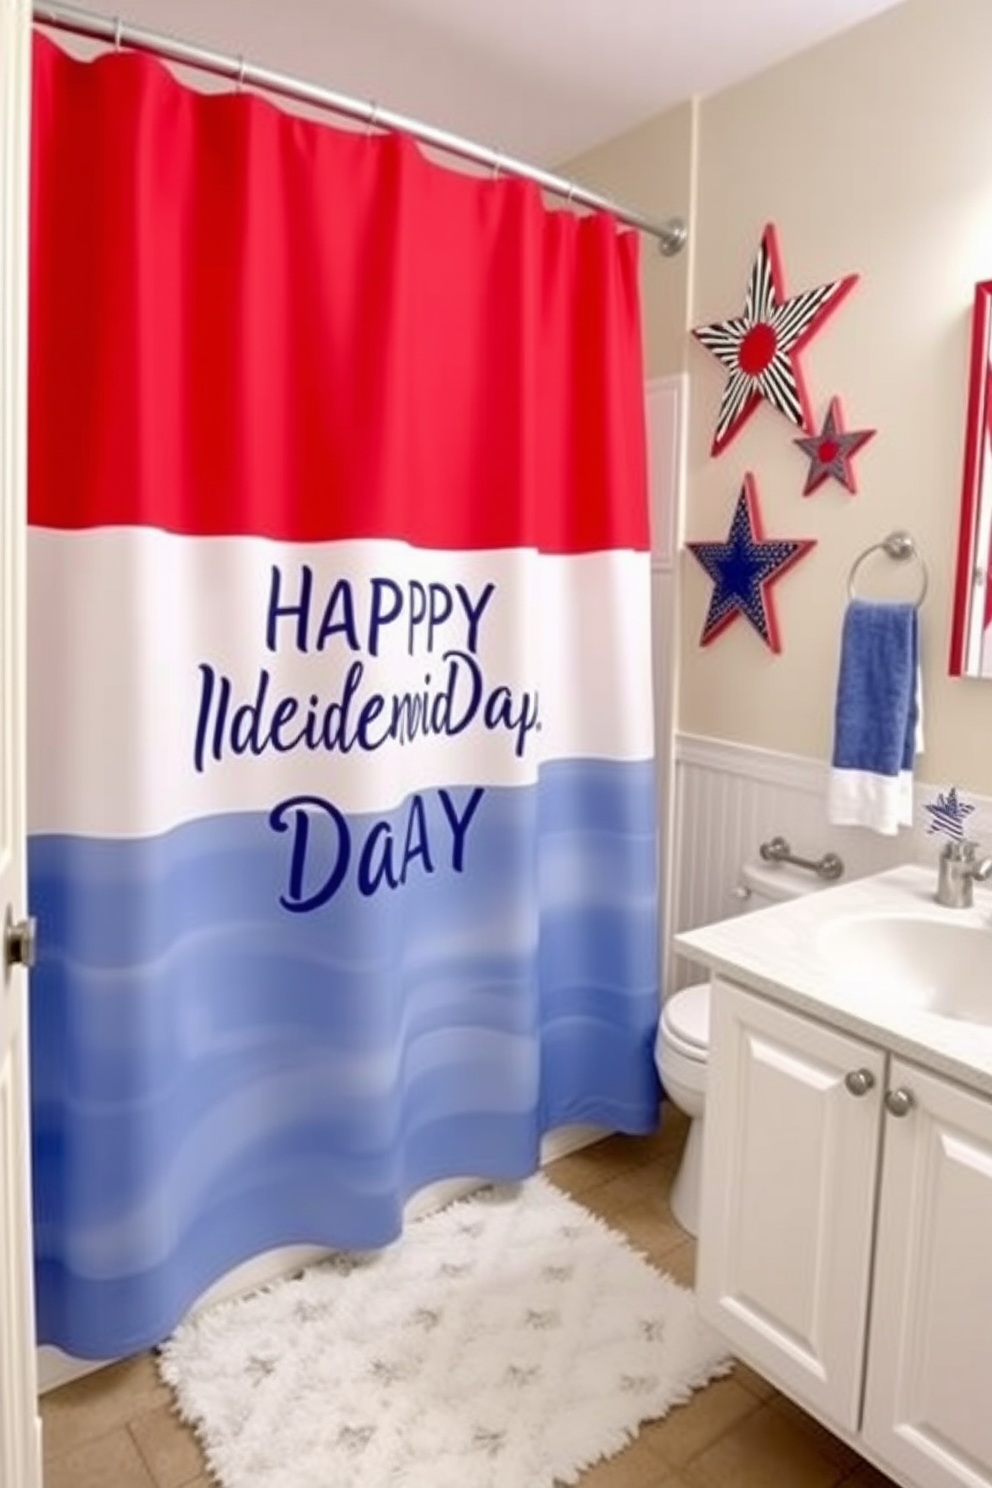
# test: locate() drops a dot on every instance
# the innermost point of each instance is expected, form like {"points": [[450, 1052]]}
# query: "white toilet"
{"points": [[683, 1041]]}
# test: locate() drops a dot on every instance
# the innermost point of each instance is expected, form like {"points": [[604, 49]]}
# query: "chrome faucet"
{"points": [[958, 869]]}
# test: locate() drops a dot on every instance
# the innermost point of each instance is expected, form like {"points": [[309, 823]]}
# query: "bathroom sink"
{"points": [[927, 963]]}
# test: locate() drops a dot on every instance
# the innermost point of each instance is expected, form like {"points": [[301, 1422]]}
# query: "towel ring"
{"points": [[899, 545]]}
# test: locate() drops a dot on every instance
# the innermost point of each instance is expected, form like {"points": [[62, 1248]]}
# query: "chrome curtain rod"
{"points": [[671, 234]]}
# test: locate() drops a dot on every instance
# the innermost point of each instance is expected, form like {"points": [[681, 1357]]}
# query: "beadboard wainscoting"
{"points": [[730, 798]]}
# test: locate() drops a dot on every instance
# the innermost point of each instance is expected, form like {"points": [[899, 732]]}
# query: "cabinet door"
{"points": [[789, 1169], [928, 1405]]}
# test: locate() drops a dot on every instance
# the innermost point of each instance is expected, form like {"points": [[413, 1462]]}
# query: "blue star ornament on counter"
{"points": [[743, 570], [947, 813]]}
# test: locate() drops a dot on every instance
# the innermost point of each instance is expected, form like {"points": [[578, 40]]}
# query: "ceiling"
{"points": [[542, 80]]}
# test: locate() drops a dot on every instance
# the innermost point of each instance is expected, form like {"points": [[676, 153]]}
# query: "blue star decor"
{"points": [[759, 348], [743, 570], [830, 452], [947, 813]]}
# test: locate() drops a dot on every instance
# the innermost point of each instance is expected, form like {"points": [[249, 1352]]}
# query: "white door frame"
{"points": [[20, 1434]]}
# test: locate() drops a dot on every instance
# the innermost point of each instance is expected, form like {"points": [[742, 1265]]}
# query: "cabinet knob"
{"points": [[899, 1102], [859, 1081]]}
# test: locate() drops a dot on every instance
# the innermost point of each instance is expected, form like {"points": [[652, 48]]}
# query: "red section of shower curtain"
{"points": [[299, 369]]}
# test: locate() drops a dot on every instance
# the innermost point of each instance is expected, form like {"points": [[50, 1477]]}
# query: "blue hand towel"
{"points": [[877, 718]]}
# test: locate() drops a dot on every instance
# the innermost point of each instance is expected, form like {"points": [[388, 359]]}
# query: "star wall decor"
{"points": [[831, 451], [760, 347], [743, 570]]}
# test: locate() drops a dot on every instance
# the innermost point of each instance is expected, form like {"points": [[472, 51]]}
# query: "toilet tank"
{"points": [[761, 884]]}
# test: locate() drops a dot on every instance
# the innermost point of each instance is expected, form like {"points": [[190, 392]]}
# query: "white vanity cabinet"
{"points": [[928, 1379], [845, 1245], [789, 1166]]}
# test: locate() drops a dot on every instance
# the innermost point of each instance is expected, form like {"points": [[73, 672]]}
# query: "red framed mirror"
{"points": [[971, 627]]}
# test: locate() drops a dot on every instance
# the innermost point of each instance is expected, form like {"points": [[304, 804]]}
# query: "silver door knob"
{"points": [[859, 1081], [19, 941], [899, 1102]]}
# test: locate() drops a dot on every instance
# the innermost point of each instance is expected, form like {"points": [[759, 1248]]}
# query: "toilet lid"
{"points": [[686, 1016]]}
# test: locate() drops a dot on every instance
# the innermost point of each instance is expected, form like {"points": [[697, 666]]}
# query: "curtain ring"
{"points": [[571, 192], [497, 164], [118, 31], [240, 81], [372, 120]]}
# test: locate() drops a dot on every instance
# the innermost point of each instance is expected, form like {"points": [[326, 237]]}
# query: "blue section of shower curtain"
{"points": [[214, 1075]]}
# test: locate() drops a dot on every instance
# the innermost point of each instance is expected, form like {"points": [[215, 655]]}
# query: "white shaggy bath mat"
{"points": [[508, 1341]]}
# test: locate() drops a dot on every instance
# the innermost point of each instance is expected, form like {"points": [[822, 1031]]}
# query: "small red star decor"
{"points": [[831, 451], [743, 570], [759, 348]]}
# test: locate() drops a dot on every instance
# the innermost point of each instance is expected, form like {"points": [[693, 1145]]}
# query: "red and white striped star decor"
{"points": [[759, 348]]}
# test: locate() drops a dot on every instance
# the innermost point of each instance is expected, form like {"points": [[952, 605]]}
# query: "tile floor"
{"points": [[116, 1429]]}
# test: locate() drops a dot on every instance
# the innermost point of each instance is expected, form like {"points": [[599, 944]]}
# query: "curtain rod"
{"points": [[671, 234]]}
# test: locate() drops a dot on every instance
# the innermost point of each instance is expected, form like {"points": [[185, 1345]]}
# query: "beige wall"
{"points": [[651, 168], [871, 154]]}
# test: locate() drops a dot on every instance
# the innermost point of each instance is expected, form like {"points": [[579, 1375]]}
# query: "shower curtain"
{"points": [[341, 805]]}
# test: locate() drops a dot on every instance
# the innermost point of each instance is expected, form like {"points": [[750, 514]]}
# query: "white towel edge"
{"points": [[860, 798]]}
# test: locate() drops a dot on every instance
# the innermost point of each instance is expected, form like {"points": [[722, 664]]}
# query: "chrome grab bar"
{"points": [[830, 866]]}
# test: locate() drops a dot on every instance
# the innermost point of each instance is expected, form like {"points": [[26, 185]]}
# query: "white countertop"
{"points": [[775, 951]]}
